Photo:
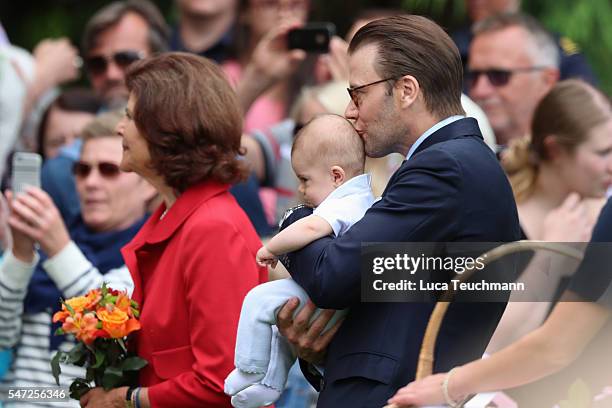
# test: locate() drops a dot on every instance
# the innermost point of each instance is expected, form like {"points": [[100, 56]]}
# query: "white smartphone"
{"points": [[26, 171]]}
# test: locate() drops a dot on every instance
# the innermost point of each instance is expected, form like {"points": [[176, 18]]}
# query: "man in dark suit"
{"points": [[406, 78]]}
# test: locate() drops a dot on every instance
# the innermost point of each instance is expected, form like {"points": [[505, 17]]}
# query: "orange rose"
{"points": [[116, 322], [77, 303], [114, 316]]}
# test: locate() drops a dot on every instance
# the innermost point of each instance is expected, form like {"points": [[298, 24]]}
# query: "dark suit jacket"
{"points": [[452, 189]]}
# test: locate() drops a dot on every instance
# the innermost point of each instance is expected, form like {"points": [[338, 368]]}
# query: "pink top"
{"points": [[264, 112]]}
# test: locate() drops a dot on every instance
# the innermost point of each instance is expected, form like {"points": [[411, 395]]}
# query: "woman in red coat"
{"points": [[194, 260]]}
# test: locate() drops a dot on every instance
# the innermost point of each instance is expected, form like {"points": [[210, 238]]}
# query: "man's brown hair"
{"points": [[190, 117], [111, 14], [414, 45]]}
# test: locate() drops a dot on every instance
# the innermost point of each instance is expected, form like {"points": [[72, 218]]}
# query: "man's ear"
{"points": [[551, 77], [338, 175], [407, 90]]}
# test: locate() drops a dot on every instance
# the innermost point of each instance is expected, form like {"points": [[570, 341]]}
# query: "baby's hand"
{"points": [[265, 257]]}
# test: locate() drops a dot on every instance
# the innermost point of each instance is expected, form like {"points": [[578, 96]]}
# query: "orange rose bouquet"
{"points": [[101, 322]]}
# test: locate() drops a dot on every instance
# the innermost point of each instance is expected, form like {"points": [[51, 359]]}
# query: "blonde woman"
{"points": [[559, 175], [559, 179]]}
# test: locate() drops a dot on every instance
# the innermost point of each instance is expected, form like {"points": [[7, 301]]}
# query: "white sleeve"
{"points": [[331, 211], [14, 278], [74, 275], [341, 214]]}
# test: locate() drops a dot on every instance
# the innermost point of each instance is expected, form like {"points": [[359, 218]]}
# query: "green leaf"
{"points": [[90, 374], [133, 364], [112, 377], [77, 355], [55, 366], [59, 332], [99, 354]]}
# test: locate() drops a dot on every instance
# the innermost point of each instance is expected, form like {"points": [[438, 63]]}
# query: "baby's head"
{"points": [[326, 152]]}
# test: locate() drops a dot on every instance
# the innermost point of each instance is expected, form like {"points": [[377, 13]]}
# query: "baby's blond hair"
{"points": [[331, 140]]}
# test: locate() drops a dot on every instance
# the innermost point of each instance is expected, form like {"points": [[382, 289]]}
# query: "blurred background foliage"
{"points": [[587, 22]]}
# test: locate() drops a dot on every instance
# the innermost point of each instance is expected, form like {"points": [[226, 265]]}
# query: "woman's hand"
{"points": [[99, 398], [270, 63], [35, 217], [22, 244], [427, 391], [334, 64], [56, 61], [311, 345], [569, 222]]}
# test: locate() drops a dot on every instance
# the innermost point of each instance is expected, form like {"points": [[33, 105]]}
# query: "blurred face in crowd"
{"points": [[511, 101], [373, 110], [263, 15], [62, 128], [136, 157], [116, 48], [480, 9], [206, 8], [588, 168], [110, 199]]}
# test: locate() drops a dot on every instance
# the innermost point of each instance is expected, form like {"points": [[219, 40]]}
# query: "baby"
{"points": [[328, 158]]}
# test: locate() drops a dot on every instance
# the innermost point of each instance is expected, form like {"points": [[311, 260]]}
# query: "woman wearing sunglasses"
{"points": [[193, 262], [567, 163], [72, 259]]}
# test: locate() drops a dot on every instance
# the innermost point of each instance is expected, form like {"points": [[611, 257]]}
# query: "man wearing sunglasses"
{"points": [[115, 37], [118, 34], [513, 63]]}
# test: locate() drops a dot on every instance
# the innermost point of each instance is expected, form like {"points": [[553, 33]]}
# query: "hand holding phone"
{"points": [[312, 37]]}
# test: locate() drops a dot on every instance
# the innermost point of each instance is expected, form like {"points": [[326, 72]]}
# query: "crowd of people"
{"points": [[172, 174]]}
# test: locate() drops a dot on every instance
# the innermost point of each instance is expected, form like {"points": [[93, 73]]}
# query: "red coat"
{"points": [[191, 271]]}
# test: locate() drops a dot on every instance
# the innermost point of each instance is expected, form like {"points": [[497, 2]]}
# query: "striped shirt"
{"points": [[29, 334]]}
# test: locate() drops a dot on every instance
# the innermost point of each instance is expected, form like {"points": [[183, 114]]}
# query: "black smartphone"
{"points": [[312, 37]]}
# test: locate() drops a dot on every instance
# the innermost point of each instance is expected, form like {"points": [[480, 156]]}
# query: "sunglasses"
{"points": [[107, 170], [355, 91], [496, 77], [98, 64]]}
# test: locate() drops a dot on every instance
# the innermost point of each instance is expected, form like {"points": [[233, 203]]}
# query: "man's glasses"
{"points": [[106, 169], [496, 77], [354, 92], [97, 64]]}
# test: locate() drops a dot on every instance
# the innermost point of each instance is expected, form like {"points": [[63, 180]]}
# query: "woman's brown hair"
{"points": [[190, 117], [568, 113]]}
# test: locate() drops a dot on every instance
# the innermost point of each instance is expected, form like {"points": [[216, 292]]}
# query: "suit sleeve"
{"points": [[219, 269], [420, 201]]}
